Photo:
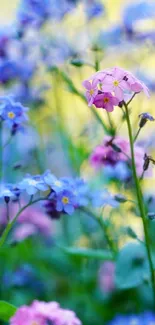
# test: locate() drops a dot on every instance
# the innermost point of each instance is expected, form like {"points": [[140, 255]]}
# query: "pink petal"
{"points": [[86, 84], [119, 93], [109, 107]]}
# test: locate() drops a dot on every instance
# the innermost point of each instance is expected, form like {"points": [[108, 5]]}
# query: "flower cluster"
{"points": [[114, 154], [107, 88], [44, 313], [62, 195], [146, 318]]}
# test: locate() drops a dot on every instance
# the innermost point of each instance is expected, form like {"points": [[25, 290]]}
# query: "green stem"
{"points": [[103, 226], [137, 134], [12, 222], [1, 152], [140, 201]]}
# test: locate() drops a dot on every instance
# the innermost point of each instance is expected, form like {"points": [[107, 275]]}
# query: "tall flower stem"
{"points": [[1, 152], [140, 201]]}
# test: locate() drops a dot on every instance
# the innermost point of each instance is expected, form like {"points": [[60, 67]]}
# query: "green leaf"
{"points": [[132, 266], [6, 311], [88, 253]]}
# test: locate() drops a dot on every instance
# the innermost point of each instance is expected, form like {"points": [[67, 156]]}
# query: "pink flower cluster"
{"points": [[113, 150], [44, 313], [107, 88]]}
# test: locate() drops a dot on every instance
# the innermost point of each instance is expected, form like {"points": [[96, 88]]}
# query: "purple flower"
{"points": [[66, 201], [106, 101]]}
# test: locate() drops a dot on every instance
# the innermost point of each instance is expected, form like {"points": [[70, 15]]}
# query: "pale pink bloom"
{"points": [[136, 85], [115, 83], [26, 316], [39, 313], [107, 277], [106, 101], [24, 231], [66, 317], [45, 309], [91, 90]]}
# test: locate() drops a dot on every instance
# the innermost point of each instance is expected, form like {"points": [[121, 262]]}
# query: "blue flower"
{"points": [[13, 113], [94, 9], [138, 11], [9, 70], [55, 184], [66, 202], [6, 191], [33, 184], [110, 37], [120, 171], [146, 318], [82, 192], [103, 198]]}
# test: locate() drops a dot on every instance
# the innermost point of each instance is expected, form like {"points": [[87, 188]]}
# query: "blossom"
{"points": [[26, 316], [107, 276], [13, 113], [55, 184], [146, 318], [102, 198], [91, 90], [115, 150], [33, 184], [113, 86], [106, 101], [66, 202], [6, 191], [42, 313]]}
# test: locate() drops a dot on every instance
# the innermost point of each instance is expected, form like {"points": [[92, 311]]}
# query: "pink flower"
{"points": [[116, 83], [92, 90], [26, 316], [106, 101], [104, 154], [136, 85], [106, 277], [107, 155], [40, 313]]}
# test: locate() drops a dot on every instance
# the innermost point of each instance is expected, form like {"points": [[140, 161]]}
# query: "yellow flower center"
{"points": [[65, 199], [11, 115], [57, 183], [91, 91], [34, 323], [106, 100], [32, 182], [116, 83]]}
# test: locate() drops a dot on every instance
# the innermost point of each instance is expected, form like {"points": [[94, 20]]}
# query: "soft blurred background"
{"points": [[43, 61]]}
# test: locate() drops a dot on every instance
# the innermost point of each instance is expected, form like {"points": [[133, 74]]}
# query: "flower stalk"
{"points": [[140, 201]]}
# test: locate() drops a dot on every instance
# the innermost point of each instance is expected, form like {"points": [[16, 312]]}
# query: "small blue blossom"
{"points": [[147, 318], [9, 70], [120, 171], [66, 202], [82, 192], [138, 11], [13, 113], [103, 198], [55, 184], [6, 191], [33, 184], [94, 9]]}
